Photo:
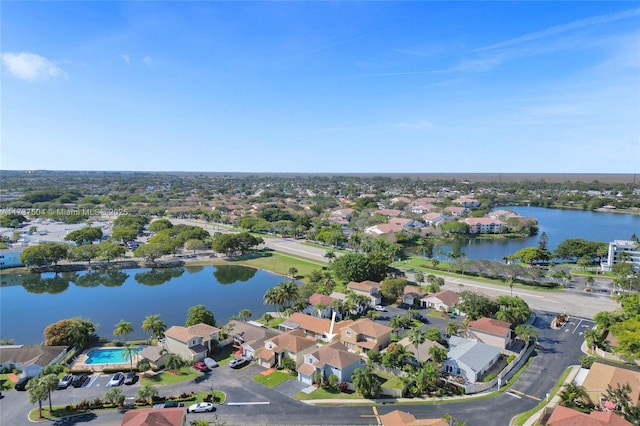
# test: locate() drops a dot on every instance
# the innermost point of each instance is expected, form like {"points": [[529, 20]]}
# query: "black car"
{"points": [[79, 380], [421, 318], [130, 378], [21, 384]]}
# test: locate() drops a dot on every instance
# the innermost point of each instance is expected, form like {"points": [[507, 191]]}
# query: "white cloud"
{"points": [[148, 60], [31, 67], [126, 59]]}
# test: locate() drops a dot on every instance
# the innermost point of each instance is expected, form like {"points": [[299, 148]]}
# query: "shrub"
{"points": [[344, 386], [586, 361], [489, 377], [510, 359]]}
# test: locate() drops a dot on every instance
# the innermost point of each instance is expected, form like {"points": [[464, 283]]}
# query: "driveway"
{"points": [[290, 387]]}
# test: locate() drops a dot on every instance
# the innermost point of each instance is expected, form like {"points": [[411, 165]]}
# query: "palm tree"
{"points": [[572, 396], [174, 363], [153, 325], [452, 328], [266, 318], [419, 277], [417, 336], [589, 281], [438, 355], [50, 383], [593, 337], [123, 328], [245, 314], [147, 392], [366, 382], [428, 376], [526, 332], [411, 312], [114, 396], [128, 353], [37, 392], [272, 297], [293, 271], [330, 255]]}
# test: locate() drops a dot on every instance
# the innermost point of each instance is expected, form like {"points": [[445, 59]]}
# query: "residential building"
{"points": [[601, 376], [364, 334], [10, 258], [434, 219], [192, 343], [504, 215], [484, 225], [155, 355], [155, 417], [563, 416], [402, 418], [421, 352], [445, 301], [293, 344], [30, 359], [467, 201], [616, 248], [314, 327], [323, 306], [469, 358], [412, 294], [388, 212], [333, 358], [492, 332], [371, 289], [456, 211], [250, 337]]}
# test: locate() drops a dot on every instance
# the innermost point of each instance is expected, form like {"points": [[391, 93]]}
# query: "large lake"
{"points": [[559, 225], [31, 302]]}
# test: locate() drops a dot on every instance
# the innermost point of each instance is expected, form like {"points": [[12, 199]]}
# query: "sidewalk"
{"points": [[393, 400]]}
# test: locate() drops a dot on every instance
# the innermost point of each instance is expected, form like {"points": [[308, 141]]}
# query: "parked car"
{"points": [[130, 378], [65, 381], [201, 407], [79, 380], [421, 318], [238, 362], [380, 308], [116, 380], [21, 384], [201, 366], [211, 363]]}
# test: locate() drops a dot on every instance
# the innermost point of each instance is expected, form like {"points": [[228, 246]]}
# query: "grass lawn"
{"points": [[169, 378], [219, 395], [58, 412], [274, 379], [388, 380], [277, 263]]}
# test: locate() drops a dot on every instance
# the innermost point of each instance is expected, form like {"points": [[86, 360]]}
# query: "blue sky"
{"points": [[548, 87]]}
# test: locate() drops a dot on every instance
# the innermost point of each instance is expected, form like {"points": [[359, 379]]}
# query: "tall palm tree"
{"points": [[428, 376], [526, 332], [123, 328], [50, 383], [129, 353], [37, 392], [366, 382], [174, 363], [153, 325], [417, 336], [330, 255], [593, 337], [293, 271], [147, 392], [452, 328], [411, 312], [245, 314], [572, 396]]}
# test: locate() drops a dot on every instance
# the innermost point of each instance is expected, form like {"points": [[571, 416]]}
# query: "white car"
{"points": [[201, 407], [380, 308], [210, 362], [116, 380]]}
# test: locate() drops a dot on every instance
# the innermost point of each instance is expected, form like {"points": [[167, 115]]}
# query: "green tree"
{"points": [[114, 396], [417, 337], [352, 267], [293, 271], [123, 328], [160, 225], [84, 235], [476, 305], [124, 234], [330, 255], [82, 332], [433, 334], [438, 355], [153, 325], [129, 353], [151, 251], [574, 396], [84, 253], [393, 288], [50, 383], [38, 392], [526, 332], [531, 255], [200, 314], [147, 392], [452, 328], [419, 277], [620, 395], [365, 382], [174, 363], [195, 245], [110, 251], [245, 314]]}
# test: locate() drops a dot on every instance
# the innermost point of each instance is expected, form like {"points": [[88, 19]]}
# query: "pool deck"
{"points": [[80, 362]]}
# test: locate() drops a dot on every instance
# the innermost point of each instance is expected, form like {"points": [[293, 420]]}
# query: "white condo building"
{"points": [[621, 246]]}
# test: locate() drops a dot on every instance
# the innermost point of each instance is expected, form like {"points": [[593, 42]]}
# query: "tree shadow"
{"points": [[76, 419]]}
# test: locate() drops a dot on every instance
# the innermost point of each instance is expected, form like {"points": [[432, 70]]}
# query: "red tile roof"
{"points": [[490, 325]]}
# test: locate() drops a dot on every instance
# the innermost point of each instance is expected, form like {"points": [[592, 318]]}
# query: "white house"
{"points": [[469, 358], [616, 248]]}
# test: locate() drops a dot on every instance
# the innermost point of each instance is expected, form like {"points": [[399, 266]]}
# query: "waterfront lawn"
{"points": [[170, 378], [274, 378], [277, 263]]}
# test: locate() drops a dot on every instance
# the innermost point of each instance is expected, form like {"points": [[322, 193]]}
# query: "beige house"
{"points": [[331, 359], [402, 418], [155, 416], [371, 289], [364, 335], [293, 344], [250, 337], [192, 343], [445, 301], [492, 332], [316, 328], [602, 375]]}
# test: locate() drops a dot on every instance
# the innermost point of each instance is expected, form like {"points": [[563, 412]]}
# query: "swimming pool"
{"points": [[109, 356]]}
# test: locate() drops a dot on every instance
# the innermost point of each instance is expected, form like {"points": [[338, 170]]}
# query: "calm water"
{"points": [[108, 356], [559, 225], [31, 302]]}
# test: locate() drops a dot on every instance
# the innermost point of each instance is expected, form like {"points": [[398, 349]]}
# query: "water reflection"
{"points": [[109, 278], [158, 276], [58, 283], [228, 274], [51, 285]]}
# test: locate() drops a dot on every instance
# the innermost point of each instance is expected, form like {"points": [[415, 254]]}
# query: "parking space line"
{"points": [[524, 394], [375, 412]]}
